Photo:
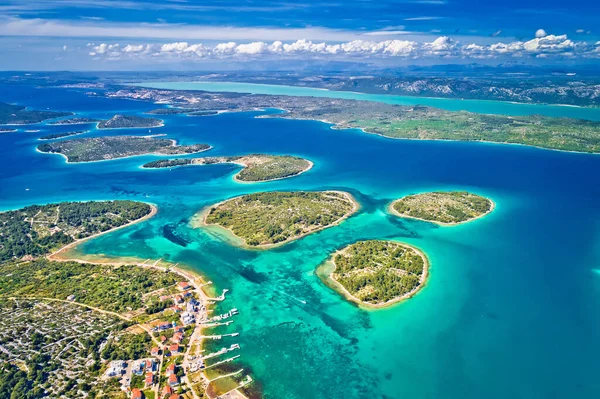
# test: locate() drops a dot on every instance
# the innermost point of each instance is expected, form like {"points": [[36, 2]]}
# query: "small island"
{"points": [[40, 229], [11, 114], [376, 273], [130, 122], [445, 208], [268, 219], [257, 167], [61, 135], [74, 121], [7, 130], [113, 147], [169, 111]]}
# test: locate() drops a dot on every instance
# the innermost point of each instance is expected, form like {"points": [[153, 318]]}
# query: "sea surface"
{"points": [[511, 308]]}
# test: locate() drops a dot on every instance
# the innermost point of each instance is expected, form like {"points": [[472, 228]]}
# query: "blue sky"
{"points": [[113, 34]]}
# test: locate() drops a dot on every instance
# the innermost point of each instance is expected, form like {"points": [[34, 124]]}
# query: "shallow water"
{"points": [[511, 306]]}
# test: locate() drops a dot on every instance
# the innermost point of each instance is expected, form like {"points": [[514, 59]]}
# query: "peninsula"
{"points": [[114, 314], [256, 167], [74, 121], [61, 135], [268, 219], [445, 208], [130, 122], [377, 273], [92, 149], [11, 114]]}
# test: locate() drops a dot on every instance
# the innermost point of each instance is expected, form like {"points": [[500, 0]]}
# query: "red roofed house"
{"points": [[163, 339], [177, 338], [155, 351], [170, 369], [173, 380], [174, 396], [184, 285], [174, 349], [167, 391], [149, 379], [179, 329], [136, 394]]}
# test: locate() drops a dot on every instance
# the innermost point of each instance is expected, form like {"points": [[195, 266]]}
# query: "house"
{"points": [[174, 396], [167, 391], [173, 380], [136, 394], [179, 329], [149, 379], [165, 325], [155, 351], [184, 285], [150, 365], [187, 318], [178, 299], [137, 367], [71, 298], [170, 369], [164, 298], [177, 338], [174, 349], [163, 339], [175, 309], [116, 368], [187, 294]]}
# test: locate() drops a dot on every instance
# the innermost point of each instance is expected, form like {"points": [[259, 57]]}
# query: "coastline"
{"points": [[199, 221], [391, 210], [331, 282]]}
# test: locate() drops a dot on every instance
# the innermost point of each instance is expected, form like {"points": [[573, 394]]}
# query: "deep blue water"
{"points": [[511, 307]]}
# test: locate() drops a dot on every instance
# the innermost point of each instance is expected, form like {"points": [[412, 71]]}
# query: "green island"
{"points": [[169, 111], [11, 114], [7, 130], [377, 273], [257, 167], [61, 135], [267, 219], [41, 229], [447, 208], [92, 149], [74, 121], [129, 121]]}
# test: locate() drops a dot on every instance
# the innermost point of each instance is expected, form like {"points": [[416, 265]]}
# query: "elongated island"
{"points": [[256, 167], [443, 207], [268, 219], [376, 273], [91, 149]]}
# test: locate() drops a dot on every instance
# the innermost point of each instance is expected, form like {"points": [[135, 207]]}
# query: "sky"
{"points": [[189, 34]]}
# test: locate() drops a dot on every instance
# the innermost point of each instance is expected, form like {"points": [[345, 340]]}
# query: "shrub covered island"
{"points": [[129, 122], [450, 207], [257, 167], [378, 273], [274, 218], [91, 149], [11, 114]]}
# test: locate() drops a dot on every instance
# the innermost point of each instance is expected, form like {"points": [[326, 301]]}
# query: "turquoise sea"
{"points": [[511, 309]]}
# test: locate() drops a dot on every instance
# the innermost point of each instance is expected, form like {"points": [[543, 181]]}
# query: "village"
{"points": [[175, 365]]}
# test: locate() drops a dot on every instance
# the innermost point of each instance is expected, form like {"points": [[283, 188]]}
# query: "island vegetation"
{"points": [[54, 136], [169, 111], [11, 114], [274, 218], [74, 121], [129, 121], [40, 229], [113, 147], [257, 167], [395, 121], [440, 207], [378, 273]]}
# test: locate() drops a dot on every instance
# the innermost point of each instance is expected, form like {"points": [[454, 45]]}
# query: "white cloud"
{"points": [[441, 47], [540, 33]]}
